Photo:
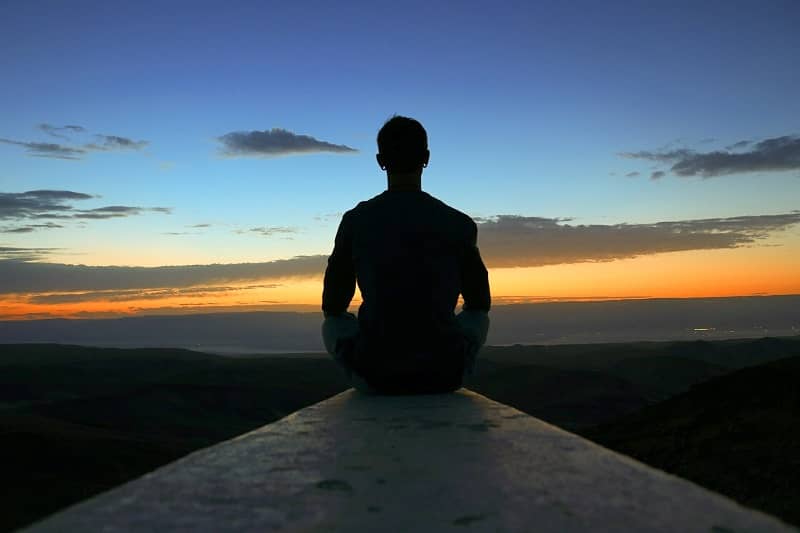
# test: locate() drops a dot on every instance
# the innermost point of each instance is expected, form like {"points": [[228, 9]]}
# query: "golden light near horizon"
{"points": [[692, 274]]}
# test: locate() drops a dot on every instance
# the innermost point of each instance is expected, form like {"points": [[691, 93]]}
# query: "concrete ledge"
{"points": [[452, 462]]}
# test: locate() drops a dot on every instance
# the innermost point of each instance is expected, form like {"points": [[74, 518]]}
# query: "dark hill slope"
{"points": [[75, 421], [738, 434], [570, 399], [665, 375]]}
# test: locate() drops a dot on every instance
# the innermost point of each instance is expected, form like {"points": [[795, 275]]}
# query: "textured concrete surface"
{"points": [[457, 462]]}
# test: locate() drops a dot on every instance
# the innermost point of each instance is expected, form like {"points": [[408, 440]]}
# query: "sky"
{"points": [[170, 157]]}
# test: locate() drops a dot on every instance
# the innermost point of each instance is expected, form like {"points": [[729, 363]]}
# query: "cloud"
{"points": [[105, 143], [53, 150], [37, 203], [30, 228], [20, 273], [657, 175], [777, 154], [275, 142], [740, 144], [326, 218], [126, 295], [269, 231], [204, 225], [505, 241], [12, 254], [516, 241], [631, 174], [55, 131], [55, 204], [118, 211], [114, 142]]}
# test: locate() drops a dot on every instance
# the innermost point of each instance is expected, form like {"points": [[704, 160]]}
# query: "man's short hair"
{"points": [[403, 144]]}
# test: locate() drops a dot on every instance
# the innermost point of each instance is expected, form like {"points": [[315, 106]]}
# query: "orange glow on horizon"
{"points": [[763, 270]]}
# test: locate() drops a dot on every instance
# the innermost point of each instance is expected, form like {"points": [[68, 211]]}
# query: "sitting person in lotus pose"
{"points": [[412, 255]]}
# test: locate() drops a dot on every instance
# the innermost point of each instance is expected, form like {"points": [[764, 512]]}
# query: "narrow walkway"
{"points": [[457, 462]]}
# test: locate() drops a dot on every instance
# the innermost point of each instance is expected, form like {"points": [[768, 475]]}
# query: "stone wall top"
{"points": [[449, 462]]}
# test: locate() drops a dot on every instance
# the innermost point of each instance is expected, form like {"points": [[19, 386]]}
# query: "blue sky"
{"points": [[527, 105]]}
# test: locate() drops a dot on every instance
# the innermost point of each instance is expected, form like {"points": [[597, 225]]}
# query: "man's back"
{"points": [[412, 255]]}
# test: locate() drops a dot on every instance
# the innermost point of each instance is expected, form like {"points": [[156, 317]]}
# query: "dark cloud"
{"points": [[58, 194], [275, 142], [126, 295], [53, 150], [38, 203], [740, 144], [21, 229], [200, 226], [21, 274], [30, 228], [657, 175], [50, 216], [59, 131], [770, 155], [54, 204], [114, 142], [12, 254], [118, 211], [631, 174], [105, 143], [515, 241]]}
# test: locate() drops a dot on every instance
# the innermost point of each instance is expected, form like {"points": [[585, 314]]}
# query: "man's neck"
{"points": [[404, 181]]}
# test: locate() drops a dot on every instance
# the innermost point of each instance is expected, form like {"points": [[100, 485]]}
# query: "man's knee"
{"points": [[474, 325], [336, 328]]}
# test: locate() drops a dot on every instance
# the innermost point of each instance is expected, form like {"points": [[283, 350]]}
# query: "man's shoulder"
{"points": [[453, 213], [361, 207]]}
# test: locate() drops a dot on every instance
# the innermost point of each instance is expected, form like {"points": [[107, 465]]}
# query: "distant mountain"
{"points": [[737, 434], [225, 332], [537, 323], [731, 354]]}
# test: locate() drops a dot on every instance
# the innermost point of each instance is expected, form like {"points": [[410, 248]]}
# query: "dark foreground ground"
{"points": [[75, 421]]}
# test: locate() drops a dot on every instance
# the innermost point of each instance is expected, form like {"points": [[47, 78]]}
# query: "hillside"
{"points": [[80, 420], [738, 434]]}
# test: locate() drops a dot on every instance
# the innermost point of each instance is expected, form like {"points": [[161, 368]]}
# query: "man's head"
{"points": [[402, 146]]}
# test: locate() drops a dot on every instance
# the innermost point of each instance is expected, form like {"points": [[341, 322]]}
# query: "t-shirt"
{"points": [[412, 255]]}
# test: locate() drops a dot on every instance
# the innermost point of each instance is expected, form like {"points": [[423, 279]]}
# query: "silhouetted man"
{"points": [[412, 255]]}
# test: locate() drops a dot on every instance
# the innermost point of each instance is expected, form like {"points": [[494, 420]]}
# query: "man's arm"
{"points": [[475, 278], [340, 276]]}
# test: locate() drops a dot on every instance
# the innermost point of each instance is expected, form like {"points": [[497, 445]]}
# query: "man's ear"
{"points": [[381, 163], [426, 158]]}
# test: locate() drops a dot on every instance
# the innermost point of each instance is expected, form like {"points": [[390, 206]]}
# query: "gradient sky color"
{"points": [[543, 111]]}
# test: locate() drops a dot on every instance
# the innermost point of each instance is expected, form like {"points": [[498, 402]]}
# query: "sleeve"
{"points": [[474, 277], [340, 275]]}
